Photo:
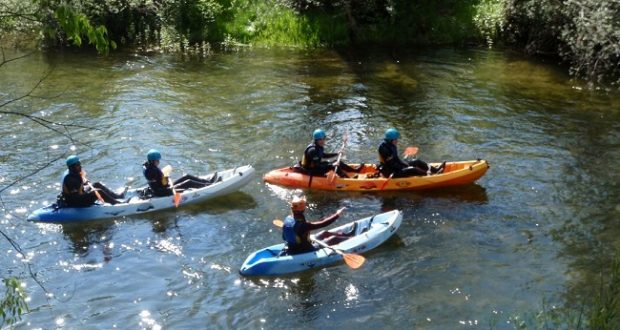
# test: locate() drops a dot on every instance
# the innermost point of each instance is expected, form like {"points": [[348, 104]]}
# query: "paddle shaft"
{"points": [[323, 244], [344, 144], [279, 223], [409, 151], [92, 188], [176, 195]]}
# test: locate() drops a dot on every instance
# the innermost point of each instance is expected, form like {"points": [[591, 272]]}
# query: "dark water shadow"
{"points": [[472, 193], [83, 236], [168, 219]]}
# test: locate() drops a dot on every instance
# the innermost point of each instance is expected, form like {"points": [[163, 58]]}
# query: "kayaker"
{"points": [[296, 230], [314, 158], [159, 183], [392, 165], [77, 191]]}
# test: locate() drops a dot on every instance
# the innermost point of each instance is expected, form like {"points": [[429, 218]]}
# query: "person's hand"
{"points": [[340, 210]]}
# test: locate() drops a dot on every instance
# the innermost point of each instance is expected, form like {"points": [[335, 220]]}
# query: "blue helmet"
{"points": [[392, 134], [72, 160], [318, 134], [153, 154]]}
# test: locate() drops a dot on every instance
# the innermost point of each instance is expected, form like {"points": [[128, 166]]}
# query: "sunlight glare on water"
{"points": [[464, 257]]}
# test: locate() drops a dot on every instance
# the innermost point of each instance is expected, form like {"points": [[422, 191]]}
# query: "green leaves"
{"points": [[76, 26], [13, 305]]}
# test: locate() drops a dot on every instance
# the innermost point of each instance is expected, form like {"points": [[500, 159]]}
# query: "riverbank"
{"points": [[580, 36]]}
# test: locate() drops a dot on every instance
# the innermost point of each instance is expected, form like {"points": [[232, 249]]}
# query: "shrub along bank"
{"points": [[585, 34]]}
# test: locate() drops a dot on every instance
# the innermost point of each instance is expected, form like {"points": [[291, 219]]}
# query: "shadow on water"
{"points": [[84, 236], [471, 194]]}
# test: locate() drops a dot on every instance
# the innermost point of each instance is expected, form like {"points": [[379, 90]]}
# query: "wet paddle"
{"points": [[83, 174], [177, 195], [386, 182], [352, 260], [410, 151], [333, 174]]}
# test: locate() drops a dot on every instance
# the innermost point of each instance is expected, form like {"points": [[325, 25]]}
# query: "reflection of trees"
{"points": [[589, 237]]}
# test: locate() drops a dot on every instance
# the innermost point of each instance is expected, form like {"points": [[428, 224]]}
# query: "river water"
{"points": [[531, 235]]}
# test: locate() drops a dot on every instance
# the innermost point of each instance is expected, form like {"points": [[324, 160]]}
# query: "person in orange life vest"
{"points": [[314, 157], [392, 165], [76, 190], [296, 230], [159, 184]]}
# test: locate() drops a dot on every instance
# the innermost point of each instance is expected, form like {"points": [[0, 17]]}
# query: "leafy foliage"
{"points": [[77, 26], [13, 305], [584, 33]]}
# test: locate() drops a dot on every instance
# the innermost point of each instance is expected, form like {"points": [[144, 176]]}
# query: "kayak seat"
{"points": [[349, 231], [299, 169], [145, 193], [365, 229]]}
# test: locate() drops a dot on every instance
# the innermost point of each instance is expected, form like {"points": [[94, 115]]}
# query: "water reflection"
{"points": [[553, 150], [303, 299], [87, 238]]}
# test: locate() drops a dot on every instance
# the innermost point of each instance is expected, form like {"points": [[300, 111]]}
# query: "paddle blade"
{"points": [[331, 176], [354, 261], [167, 170], [278, 223], [410, 151], [177, 199]]}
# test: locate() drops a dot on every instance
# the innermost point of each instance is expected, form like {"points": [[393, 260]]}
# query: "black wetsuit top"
{"points": [[156, 180], [73, 191], [313, 159]]}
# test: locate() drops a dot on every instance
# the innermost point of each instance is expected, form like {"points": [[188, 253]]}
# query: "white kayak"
{"points": [[227, 181], [360, 236]]}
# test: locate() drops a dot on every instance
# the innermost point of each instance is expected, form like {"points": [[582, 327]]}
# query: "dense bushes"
{"points": [[584, 33]]}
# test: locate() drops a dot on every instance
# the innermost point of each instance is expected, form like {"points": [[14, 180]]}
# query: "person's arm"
{"points": [[391, 160], [325, 221]]}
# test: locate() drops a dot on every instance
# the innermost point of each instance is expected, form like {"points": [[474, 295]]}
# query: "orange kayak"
{"points": [[455, 173]]}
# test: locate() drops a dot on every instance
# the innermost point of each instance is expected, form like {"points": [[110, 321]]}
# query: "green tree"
{"points": [[13, 304]]}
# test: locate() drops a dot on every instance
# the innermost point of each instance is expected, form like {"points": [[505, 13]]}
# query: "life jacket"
{"points": [[69, 183], [289, 233], [309, 163], [393, 152], [154, 176]]}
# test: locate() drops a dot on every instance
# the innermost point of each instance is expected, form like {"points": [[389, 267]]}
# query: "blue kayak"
{"points": [[355, 237]]}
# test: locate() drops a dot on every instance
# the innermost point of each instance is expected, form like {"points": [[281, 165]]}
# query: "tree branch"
{"points": [[5, 61], [29, 17], [33, 173]]}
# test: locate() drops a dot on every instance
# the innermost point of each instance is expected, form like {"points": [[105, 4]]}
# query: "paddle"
{"points": [[83, 174], [177, 195], [386, 182], [409, 151], [352, 260], [344, 144]]}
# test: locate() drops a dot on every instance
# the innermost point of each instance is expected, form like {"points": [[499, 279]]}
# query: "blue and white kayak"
{"points": [[360, 236], [227, 182]]}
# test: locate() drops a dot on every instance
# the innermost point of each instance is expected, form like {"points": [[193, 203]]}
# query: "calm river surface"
{"points": [[531, 235]]}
